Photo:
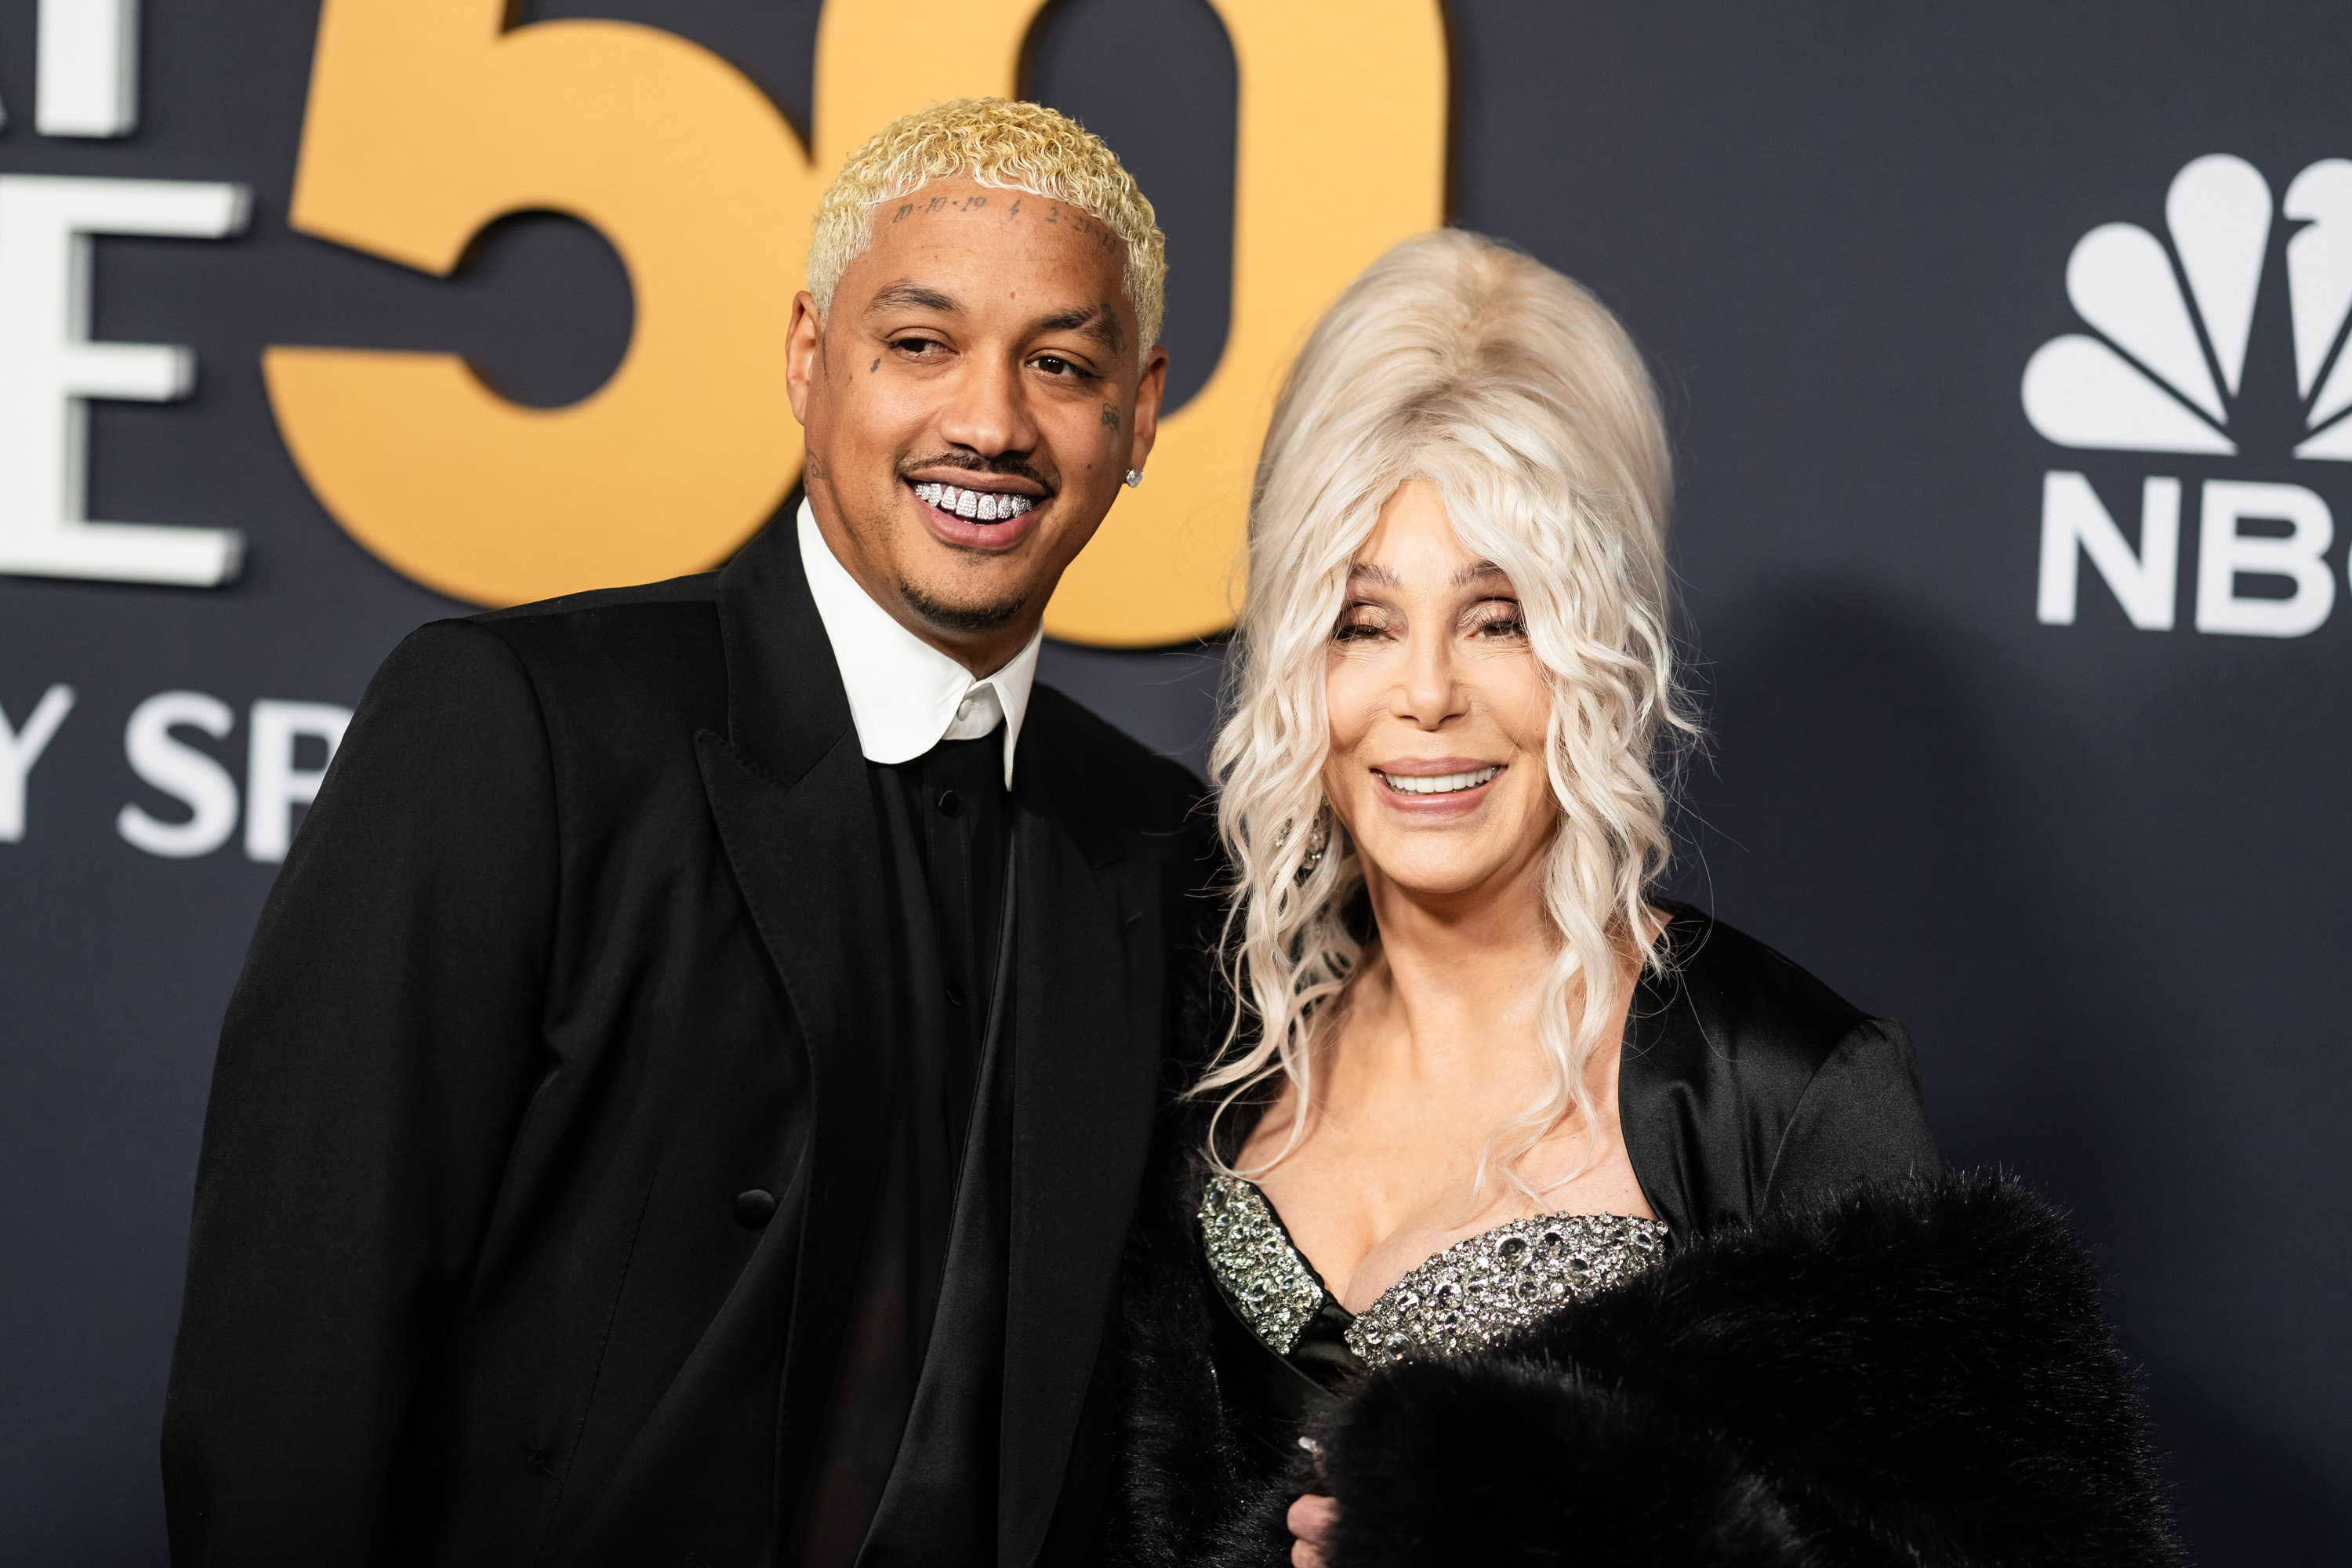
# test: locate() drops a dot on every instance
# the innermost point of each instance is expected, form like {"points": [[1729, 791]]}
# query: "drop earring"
{"points": [[1316, 843], [1134, 479]]}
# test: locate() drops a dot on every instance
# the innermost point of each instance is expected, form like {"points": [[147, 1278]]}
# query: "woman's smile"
{"points": [[1437, 788]]}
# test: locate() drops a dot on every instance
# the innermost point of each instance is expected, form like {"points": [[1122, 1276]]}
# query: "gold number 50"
{"points": [[430, 119]]}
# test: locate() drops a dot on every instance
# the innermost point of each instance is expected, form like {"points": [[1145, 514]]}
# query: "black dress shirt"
{"points": [[946, 837]]}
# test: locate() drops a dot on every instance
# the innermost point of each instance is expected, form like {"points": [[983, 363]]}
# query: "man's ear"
{"points": [[803, 348], [1149, 391]]}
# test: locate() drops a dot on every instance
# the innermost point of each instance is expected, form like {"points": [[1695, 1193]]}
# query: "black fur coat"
{"points": [[1918, 1372]]}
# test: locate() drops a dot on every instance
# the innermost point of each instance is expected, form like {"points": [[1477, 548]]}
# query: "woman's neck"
{"points": [[1451, 981], [1439, 1043]]}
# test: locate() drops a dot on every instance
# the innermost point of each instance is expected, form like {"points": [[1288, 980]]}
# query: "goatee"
{"points": [[982, 618]]}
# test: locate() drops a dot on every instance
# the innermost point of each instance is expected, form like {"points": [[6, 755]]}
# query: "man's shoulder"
{"points": [[1116, 778], [597, 671], [671, 599], [599, 646]]}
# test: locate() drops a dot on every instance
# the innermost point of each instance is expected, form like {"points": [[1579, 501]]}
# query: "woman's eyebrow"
{"points": [[1379, 576], [1478, 571]]}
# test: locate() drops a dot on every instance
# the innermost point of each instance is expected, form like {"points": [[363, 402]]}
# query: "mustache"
{"points": [[1006, 467]]}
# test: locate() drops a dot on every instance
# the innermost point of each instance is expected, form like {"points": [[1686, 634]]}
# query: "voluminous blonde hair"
{"points": [[1010, 146], [1515, 395]]}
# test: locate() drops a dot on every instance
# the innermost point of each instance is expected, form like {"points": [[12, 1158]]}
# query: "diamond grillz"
{"points": [[1441, 784], [979, 506]]}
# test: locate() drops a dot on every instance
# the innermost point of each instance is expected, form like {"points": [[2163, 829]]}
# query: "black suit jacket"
{"points": [[585, 937]]}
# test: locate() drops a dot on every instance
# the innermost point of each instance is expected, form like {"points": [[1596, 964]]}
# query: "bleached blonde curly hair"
{"points": [[1009, 146], [1516, 395]]}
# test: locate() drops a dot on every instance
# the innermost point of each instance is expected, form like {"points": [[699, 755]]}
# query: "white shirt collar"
{"points": [[906, 696]]}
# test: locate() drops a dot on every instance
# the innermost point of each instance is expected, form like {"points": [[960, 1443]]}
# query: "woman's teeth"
{"points": [[979, 506], [1439, 784]]}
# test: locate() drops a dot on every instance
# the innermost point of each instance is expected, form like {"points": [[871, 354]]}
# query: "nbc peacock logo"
{"points": [[2163, 369]]}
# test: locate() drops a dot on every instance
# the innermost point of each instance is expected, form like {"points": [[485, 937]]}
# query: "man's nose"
{"points": [[988, 409]]}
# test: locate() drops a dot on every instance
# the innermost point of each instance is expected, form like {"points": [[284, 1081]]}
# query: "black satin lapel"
{"points": [[1670, 1080], [808, 862], [785, 705], [1087, 1045], [1651, 1101], [788, 788]]}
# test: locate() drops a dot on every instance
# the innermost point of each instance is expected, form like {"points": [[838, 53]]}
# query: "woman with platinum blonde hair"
{"points": [[1515, 1213]]}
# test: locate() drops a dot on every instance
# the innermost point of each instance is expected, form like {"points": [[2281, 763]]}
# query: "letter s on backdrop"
{"points": [[428, 119], [182, 772]]}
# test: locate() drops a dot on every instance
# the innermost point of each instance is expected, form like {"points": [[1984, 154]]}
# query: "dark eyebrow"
{"points": [[1100, 322], [909, 296], [1478, 571]]}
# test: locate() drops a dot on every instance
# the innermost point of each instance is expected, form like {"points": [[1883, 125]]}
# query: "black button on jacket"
{"points": [[581, 954]]}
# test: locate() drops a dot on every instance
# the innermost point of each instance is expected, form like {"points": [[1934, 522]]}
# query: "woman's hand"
{"points": [[1310, 1519]]}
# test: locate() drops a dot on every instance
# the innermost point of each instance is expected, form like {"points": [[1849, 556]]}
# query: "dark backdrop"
{"points": [[2100, 871]]}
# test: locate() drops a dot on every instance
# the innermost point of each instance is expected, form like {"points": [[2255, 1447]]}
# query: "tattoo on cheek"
{"points": [[1111, 417], [874, 366]]}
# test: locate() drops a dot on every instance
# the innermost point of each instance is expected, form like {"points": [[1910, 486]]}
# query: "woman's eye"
{"points": [[1357, 631], [1505, 624]]}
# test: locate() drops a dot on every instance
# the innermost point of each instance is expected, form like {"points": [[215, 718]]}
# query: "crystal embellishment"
{"points": [[1472, 1294], [1267, 1279], [1492, 1286]]}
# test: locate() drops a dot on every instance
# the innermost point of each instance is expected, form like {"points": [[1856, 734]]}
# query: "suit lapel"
{"points": [[788, 787], [1086, 1047]]}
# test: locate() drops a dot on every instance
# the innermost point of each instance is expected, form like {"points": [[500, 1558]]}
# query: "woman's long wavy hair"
{"points": [[1518, 397]]}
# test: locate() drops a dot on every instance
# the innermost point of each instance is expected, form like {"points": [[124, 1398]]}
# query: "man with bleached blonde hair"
{"points": [[686, 1095]]}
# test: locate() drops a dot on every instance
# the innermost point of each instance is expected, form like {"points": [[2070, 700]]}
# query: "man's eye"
{"points": [[917, 347], [1055, 365]]}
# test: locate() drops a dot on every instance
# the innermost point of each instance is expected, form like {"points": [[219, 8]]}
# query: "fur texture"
{"points": [[1915, 1373]]}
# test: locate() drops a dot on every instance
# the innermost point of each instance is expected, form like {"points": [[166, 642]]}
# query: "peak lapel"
{"points": [[1087, 1044], [788, 787]]}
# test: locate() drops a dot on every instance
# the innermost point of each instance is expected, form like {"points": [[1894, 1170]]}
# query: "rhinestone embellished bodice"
{"points": [[1266, 1277], [1472, 1293]]}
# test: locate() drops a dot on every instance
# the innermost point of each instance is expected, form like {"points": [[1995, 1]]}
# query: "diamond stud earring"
{"points": [[1134, 479]]}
